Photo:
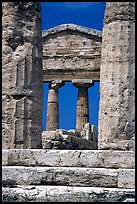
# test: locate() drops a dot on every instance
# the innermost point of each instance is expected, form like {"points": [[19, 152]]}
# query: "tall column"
{"points": [[117, 78], [82, 103], [52, 122], [22, 75]]}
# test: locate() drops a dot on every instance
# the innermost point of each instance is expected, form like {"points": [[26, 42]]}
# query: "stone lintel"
{"points": [[69, 75]]}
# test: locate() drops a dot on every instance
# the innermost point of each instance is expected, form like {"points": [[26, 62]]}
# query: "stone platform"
{"points": [[66, 194], [38, 175]]}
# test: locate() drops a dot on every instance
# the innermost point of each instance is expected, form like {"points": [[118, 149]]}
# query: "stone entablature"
{"points": [[71, 52]]}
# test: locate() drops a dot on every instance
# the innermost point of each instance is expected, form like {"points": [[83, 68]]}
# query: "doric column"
{"points": [[52, 122], [82, 103], [22, 75], [117, 78]]}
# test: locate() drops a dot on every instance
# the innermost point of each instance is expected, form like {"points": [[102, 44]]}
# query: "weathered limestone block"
{"points": [[22, 75], [117, 78], [52, 140], [56, 140], [89, 132], [66, 194], [52, 122], [72, 158], [73, 132], [126, 178], [71, 176]]}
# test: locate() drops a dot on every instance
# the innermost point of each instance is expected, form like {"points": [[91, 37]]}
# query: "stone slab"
{"points": [[66, 194], [126, 178], [73, 176], [76, 158]]}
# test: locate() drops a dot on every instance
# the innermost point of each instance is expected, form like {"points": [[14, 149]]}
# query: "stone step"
{"points": [[68, 176], [69, 158], [66, 194]]}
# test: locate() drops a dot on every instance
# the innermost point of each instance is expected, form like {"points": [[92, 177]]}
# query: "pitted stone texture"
{"points": [[66, 194], [20, 107], [71, 158], [71, 47], [117, 78], [24, 135], [125, 13], [55, 140], [69, 132], [98, 177], [126, 178], [22, 75], [89, 132], [60, 176]]}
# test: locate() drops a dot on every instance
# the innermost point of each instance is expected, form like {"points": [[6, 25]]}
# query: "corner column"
{"points": [[53, 107], [22, 75], [82, 103], [117, 78]]}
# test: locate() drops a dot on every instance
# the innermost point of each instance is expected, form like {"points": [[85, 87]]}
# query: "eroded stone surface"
{"points": [[22, 75], [60, 176], [70, 158], [66, 194], [117, 77], [71, 48], [59, 140]]}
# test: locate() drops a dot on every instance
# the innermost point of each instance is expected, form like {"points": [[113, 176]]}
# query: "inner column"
{"points": [[82, 103], [53, 107]]}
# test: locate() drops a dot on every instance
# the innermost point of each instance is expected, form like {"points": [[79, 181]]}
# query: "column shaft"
{"points": [[117, 78], [82, 108], [82, 103], [22, 75], [52, 122]]}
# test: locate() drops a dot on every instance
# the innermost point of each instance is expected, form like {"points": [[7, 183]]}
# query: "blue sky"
{"points": [[88, 14]]}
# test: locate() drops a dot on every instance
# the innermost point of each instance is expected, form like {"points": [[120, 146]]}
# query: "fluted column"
{"points": [[117, 78], [22, 75], [82, 103], [52, 122]]}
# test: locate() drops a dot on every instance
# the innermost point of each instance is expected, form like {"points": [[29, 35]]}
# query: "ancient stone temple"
{"points": [[60, 165], [71, 53]]}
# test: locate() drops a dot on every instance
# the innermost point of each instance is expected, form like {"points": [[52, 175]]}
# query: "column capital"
{"points": [[56, 84], [83, 83]]}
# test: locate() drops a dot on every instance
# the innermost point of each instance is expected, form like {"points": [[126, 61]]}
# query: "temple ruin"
{"points": [[71, 53], [67, 165]]}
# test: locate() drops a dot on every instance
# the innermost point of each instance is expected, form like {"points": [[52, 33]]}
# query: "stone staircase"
{"points": [[38, 175]]}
